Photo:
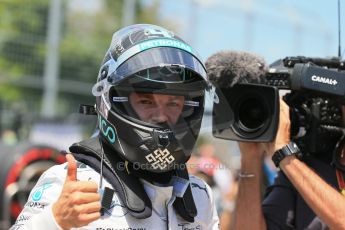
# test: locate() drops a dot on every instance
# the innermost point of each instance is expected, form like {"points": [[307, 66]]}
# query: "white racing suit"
{"points": [[37, 213]]}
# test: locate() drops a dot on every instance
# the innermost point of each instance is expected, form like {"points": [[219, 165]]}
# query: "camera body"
{"points": [[316, 92], [246, 112]]}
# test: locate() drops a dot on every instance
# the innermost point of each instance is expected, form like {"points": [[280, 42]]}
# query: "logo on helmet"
{"points": [[164, 42], [154, 32], [107, 130], [160, 159]]}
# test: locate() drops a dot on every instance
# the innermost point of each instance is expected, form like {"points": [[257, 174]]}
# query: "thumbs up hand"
{"points": [[79, 202]]}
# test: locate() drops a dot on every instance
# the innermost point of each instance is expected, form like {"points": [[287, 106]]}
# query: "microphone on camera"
{"points": [[247, 109], [227, 68]]}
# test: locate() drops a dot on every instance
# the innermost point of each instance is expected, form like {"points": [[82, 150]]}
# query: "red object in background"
{"points": [[208, 165], [32, 155], [28, 159]]}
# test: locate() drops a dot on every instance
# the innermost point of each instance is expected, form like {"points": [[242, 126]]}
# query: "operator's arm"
{"points": [[324, 200], [248, 211]]}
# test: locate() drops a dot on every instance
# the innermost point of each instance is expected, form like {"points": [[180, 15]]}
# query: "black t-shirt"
{"points": [[283, 206]]}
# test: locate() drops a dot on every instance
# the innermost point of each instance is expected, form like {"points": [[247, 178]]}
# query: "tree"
{"points": [[23, 31], [85, 38]]}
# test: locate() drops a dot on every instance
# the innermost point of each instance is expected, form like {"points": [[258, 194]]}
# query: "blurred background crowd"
{"points": [[50, 51]]}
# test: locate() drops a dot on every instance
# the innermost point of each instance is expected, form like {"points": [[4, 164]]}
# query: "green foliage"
{"points": [[144, 15], [23, 30], [85, 36], [8, 92], [86, 39]]}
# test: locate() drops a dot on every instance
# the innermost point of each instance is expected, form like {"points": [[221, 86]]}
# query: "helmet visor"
{"points": [[169, 59], [159, 64]]}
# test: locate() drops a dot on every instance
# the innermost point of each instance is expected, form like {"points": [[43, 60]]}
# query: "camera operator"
{"points": [[305, 194], [303, 133]]}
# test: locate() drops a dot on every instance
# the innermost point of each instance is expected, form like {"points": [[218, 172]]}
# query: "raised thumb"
{"points": [[71, 168]]}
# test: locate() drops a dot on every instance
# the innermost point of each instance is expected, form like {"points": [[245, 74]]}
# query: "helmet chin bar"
{"points": [[153, 147]]}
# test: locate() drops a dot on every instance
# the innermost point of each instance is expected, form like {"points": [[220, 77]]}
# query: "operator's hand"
{"points": [[79, 202], [283, 133], [258, 150]]}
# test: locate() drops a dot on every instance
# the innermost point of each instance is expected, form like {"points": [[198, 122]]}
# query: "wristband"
{"points": [[245, 175]]}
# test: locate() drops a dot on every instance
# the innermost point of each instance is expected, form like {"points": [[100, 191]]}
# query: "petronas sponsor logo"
{"points": [[164, 42], [38, 193]]}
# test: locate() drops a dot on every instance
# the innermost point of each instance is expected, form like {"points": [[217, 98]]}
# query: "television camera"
{"points": [[315, 93]]}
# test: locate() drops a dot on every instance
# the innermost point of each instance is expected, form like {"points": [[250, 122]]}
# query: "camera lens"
{"points": [[252, 114]]}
